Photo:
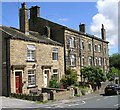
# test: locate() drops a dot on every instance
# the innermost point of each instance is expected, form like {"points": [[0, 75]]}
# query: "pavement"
{"points": [[8, 102], [77, 102], [88, 101]]}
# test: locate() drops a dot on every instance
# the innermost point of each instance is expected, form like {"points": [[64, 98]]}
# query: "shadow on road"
{"points": [[107, 94]]}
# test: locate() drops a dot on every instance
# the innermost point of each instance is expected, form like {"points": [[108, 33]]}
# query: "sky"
{"points": [[71, 14]]}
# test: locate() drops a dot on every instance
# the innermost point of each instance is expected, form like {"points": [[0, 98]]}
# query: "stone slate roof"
{"points": [[79, 32], [33, 36], [88, 35]]}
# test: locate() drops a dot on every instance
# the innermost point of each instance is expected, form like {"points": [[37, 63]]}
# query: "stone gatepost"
{"points": [[77, 91], [72, 92], [52, 95], [44, 97]]}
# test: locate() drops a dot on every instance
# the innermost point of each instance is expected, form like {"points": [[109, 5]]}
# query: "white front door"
{"points": [[46, 73]]}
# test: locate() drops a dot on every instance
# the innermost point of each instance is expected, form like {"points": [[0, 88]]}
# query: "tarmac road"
{"points": [[94, 100]]}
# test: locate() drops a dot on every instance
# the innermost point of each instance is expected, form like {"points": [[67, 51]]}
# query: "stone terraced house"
{"points": [[42, 48], [29, 59], [80, 49]]}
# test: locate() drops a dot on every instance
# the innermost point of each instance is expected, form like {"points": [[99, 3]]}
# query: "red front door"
{"points": [[18, 82]]}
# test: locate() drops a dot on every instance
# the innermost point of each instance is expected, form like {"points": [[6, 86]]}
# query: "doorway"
{"points": [[46, 78], [18, 82]]}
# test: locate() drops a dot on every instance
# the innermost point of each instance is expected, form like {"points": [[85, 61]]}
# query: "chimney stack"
{"points": [[82, 28], [103, 33], [47, 31], [34, 12], [23, 19]]}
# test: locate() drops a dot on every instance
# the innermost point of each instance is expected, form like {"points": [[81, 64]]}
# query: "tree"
{"points": [[69, 78], [113, 71], [93, 74], [115, 61]]}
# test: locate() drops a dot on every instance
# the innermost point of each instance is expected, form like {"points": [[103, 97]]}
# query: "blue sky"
{"points": [[65, 13], [69, 14]]}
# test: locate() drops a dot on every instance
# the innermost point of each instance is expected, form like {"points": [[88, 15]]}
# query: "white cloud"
{"points": [[107, 15], [63, 19]]}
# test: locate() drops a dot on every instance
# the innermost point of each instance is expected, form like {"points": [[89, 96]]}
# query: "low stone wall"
{"points": [[62, 95], [43, 97], [48, 90]]}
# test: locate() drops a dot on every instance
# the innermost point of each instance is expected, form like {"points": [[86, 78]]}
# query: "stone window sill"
{"points": [[31, 61], [29, 87]]}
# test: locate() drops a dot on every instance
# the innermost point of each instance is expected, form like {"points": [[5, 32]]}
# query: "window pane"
{"points": [[82, 45], [72, 42], [82, 61], [95, 60], [72, 60], [99, 48], [55, 54], [95, 47], [89, 61], [55, 73], [31, 78], [89, 46], [31, 52], [100, 61]]}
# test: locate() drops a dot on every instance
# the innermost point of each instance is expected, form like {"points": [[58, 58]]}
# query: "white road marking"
{"points": [[59, 107], [83, 102], [98, 99], [89, 98], [48, 107], [111, 96], [72, 105], [106, 97], [54, 104], [116, 104]]}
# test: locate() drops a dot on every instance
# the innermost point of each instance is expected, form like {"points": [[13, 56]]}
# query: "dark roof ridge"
{"points": [[79, 32], [17, 34]]}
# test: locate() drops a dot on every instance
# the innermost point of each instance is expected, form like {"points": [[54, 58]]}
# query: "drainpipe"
{"points": [[1, 62], [80, 55], [8, 67], [64, 55], [93, 50]]}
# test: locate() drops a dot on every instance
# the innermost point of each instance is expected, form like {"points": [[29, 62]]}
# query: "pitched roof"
{"points": [[73, 30], [33, 36]]}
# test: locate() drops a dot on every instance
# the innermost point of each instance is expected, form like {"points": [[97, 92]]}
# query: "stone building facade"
{"points": [[29, 59], [42, 48], [41, 69], [80, 49]]}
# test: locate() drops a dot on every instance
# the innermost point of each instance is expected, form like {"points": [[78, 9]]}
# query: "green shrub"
{"points": [[76, 84], [54, 83], [70, 78], [77, 95], [84, 90]]}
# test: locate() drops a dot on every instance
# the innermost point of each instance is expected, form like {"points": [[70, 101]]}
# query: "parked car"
{"points": [[112, 89]]}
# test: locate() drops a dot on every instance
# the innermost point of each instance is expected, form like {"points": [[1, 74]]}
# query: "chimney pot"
{"points": [[82, 28], [23, 19], [23, 5], [103, 33], [34, 12]]}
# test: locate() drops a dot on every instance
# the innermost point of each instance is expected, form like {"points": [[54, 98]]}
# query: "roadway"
{"points": [[89, 101]]}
